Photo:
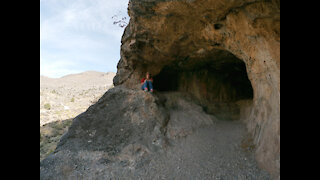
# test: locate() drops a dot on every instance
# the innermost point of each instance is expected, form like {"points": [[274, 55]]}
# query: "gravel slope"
{"points": [[222, 150], [110, 141], [213, 152]]}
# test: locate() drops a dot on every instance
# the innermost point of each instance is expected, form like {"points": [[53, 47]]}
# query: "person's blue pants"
{"points": [[147, 85]]}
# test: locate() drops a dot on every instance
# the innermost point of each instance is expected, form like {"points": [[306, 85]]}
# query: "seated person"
{"points": [[146, 83]]}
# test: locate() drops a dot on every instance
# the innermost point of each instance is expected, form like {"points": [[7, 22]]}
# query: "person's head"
{"points": [[148, 75]]}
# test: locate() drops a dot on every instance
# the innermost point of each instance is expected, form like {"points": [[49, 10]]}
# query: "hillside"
{"points": [[65, 97], [61, 99]]}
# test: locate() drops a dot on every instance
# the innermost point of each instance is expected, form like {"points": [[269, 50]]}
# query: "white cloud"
{"points": [[79, 33], [80, 15], [56, 69]]}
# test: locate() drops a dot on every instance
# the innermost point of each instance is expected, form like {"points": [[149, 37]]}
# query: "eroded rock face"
{"points": [[185, 34], [122, 127]]}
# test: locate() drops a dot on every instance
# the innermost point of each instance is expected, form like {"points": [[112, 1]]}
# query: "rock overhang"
{"points": [[162, 33]]}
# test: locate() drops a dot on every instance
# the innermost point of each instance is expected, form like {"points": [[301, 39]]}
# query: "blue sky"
{"points": [[79, 35]]}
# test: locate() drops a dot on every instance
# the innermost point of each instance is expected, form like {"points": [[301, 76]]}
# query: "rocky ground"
{"points": [[219, 151], [61, 99], [50, 135], [131, 134]]}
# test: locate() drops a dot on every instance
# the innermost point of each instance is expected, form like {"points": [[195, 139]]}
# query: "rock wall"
{"points": [[185, 34]]}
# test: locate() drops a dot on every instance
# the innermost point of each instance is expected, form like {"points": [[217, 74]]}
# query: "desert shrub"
{"points": [[47, 106], [72, 99], [48, 142], [54, 92]]}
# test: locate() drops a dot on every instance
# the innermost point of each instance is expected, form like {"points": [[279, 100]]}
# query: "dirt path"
{"points": [[204, 148], [209, 153]]}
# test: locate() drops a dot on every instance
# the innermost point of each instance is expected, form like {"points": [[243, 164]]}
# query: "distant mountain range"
{"points": [[81, 80]]}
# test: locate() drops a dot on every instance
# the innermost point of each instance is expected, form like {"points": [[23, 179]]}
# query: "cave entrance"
{"points": [[217, 82]]}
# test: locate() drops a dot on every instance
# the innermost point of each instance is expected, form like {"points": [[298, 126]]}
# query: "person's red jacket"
{"points": [[142, 81]]}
